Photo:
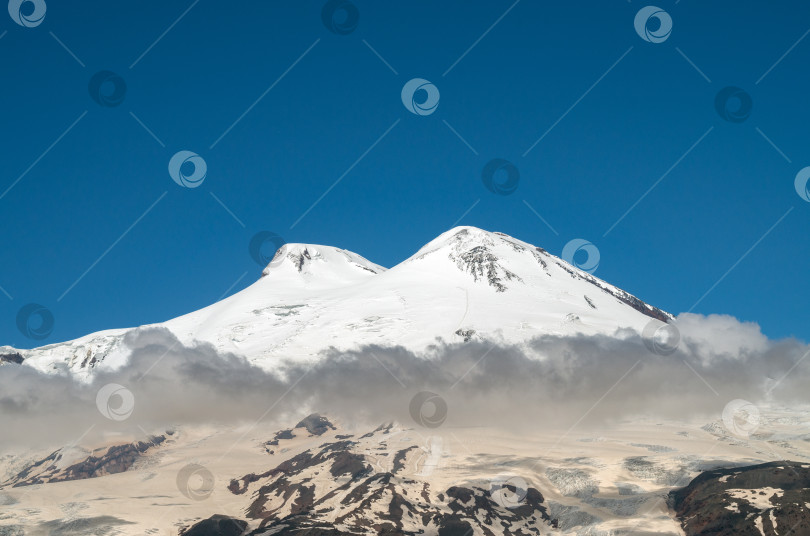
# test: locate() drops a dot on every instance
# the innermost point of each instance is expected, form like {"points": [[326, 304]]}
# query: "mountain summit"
{"points": [[466, 284], [315, 266]]}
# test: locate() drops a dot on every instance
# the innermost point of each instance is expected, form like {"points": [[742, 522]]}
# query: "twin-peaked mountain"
{"points": [[465, 284]]}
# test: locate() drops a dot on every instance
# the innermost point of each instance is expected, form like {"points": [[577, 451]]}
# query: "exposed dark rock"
{"points": [[453, 525], [707, 507], [399, 458], [300, 259], [619, 294], [462, 494], [467, 334], [320, 530], [481, 263], [90, 360], [11, 357], [115, 459], [383, 428], [362, 502], [348, 463], [281, 434], [217, 525], [539, 258], [315, 424]]}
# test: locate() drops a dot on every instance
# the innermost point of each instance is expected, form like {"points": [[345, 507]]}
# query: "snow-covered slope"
{"points": [[340, 479], [465, 284]]}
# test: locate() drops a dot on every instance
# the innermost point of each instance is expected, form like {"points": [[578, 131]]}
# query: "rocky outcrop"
{"points": [[11, 357], [621, 295], [107, 461], [770, 499], [217, 525], [482, 264], [362, 488], [315, 424]]}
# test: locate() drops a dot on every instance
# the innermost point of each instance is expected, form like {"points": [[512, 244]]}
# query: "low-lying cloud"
{"points": [[553, 381]]}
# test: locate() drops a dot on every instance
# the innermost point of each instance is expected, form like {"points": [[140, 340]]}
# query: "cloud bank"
{"points": [[553, 381]]}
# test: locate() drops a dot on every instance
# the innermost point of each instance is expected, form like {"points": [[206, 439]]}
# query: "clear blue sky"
{"points": [[636, 112]]}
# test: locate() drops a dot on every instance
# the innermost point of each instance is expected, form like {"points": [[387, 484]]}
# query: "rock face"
{"points": [[482, 264], [217, 525], [360, 487], [10, 356], [769, 499], [315, 424], [107, 461]]}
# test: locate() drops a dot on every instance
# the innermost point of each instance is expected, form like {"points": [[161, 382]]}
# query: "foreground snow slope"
{"points": [[600, 482], [465, 284]]}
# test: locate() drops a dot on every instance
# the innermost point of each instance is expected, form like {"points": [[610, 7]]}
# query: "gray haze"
{"points": [[552, 382]]}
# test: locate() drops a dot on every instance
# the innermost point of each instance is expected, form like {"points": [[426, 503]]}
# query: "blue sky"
{"points": [[280, 108]]}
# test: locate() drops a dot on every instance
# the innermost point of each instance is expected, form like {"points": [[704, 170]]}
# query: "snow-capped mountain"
{"points": [[517, 472], [465, 284]]}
